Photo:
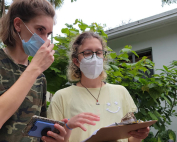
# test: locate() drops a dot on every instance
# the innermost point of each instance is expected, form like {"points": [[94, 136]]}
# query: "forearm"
{"points": [[68, 134], [15, 95], [132, 139]]}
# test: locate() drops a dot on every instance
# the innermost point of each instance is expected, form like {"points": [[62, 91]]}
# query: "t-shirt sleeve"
{"points": [[130, 105], [55, 110]]}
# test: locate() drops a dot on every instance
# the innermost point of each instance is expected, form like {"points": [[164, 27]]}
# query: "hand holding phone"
{"points": [[39, 126]]}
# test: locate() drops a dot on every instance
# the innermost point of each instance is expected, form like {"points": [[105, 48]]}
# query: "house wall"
{"points": [[162, 40]]}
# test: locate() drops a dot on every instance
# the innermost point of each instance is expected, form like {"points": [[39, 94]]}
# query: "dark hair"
{"points": [[25, 10], [74, 73]]}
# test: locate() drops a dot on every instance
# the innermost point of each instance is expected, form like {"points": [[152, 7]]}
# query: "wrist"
{"points": [[34, 71], [68, 126], [133, 139]]}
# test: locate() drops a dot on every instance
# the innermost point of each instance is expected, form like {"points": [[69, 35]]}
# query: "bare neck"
{"points": [[90, 83], [17, 54]]}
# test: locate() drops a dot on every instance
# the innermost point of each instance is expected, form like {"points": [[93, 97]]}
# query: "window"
{"points": [[141, 54]]}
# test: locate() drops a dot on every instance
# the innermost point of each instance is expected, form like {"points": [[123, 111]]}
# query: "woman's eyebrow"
{"points": [[42, 27]]}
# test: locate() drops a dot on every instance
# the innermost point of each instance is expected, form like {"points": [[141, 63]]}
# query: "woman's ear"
{"points": [[76, 62], [17, 24]]}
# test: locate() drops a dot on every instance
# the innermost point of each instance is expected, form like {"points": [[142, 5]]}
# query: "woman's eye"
{"points": [[48, 35], [40, 29]]}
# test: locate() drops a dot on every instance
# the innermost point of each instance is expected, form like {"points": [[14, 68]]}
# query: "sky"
{"points": [[109, 12]]}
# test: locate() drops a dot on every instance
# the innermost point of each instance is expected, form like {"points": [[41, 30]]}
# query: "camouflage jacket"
{"points": [[33, 104]]}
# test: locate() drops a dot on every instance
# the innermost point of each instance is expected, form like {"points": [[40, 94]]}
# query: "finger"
{"points": [[82, 127], [56, 137], [50, 47], [61, 129], [136, 133], [144, 129], [139, 134], [43, 138], [53, 52], [65, 120], [47, 139], [90, 114], [47, 43], [87, 121], [90, 117]]}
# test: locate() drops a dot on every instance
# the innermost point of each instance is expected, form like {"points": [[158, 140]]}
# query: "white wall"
{"points": [[163, 41]]}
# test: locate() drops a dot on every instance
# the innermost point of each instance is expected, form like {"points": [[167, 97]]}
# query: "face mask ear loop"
{"points": [[19, 35], [78, 61], [27, 28]]}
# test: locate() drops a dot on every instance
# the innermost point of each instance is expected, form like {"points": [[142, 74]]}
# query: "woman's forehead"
{"points": [[45, 21], [91, 43]]}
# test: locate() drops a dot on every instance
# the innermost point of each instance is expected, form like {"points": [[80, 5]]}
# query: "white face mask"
{"points": [[91, 68]]}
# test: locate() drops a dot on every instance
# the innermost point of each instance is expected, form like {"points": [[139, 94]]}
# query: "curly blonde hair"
{"points": [[74, 72]]}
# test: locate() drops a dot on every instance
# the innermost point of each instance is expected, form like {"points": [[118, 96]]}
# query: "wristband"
{"points": [[68, 127]]}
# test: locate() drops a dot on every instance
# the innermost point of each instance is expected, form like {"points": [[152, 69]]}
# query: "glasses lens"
{"points": [[88, 54], [100, 54]]}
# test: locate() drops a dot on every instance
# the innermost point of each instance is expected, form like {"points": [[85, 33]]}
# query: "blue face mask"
{"points": [[32, 46]]}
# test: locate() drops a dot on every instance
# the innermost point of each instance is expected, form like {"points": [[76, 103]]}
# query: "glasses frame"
{"points": [[104, 54]]}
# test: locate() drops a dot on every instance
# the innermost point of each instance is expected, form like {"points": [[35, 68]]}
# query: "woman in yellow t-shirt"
{"points": [[91, 94]]}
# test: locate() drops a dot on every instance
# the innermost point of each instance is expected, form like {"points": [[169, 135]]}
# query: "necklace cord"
{"points": [[91, 93]]}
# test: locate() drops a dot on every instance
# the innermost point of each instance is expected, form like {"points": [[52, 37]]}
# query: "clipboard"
{"points": [[113, 133]]}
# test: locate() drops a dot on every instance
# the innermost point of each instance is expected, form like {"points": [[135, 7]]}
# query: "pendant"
{"points": [[97, 103]]}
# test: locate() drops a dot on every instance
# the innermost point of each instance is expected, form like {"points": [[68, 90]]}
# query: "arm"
{"points": [[13, 97], [132, 139]]}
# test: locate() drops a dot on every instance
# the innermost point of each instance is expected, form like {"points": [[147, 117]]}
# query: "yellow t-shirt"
{"points": [[115, 101]]}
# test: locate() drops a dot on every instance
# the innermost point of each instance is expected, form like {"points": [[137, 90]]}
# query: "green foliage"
{"points": [[172, 135], [166, 135], [168, 2], [162, 137], [150, 138], [147, 92], [56, 3]]}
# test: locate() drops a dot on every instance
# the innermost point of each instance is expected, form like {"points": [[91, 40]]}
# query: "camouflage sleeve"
{"points": [[2, 87], [44, 105]]}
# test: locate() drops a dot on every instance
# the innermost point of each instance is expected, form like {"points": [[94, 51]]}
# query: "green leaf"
{"points": [[136, 78], [128, 47], [165, 67], [134, 53], [157, 113], [168, 100], [113, 55], [152, 116], [125, 50], [65, 31], [143, 111], [55, 69], [61, 39], [115, 68], [118, 73]]}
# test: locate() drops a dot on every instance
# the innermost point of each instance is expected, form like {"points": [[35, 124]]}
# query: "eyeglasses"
{"points": [[88, 54]]}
